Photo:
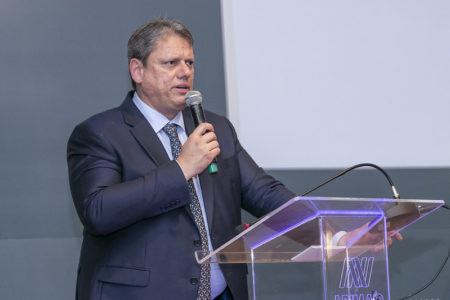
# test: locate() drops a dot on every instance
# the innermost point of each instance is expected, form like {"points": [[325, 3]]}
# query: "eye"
{"points": [[170, 62], [190, 63]]}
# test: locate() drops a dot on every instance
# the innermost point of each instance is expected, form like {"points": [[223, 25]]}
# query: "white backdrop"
{"points": [[327, 84]]}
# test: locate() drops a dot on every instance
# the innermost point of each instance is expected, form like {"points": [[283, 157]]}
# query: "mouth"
{"points": [[182, 88]]}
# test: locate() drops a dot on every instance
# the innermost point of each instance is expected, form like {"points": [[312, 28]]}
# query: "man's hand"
{"points": [[371, 237], [199, 150]]}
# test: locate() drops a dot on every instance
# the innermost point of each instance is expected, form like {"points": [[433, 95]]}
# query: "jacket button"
{"points": [[194, 281], [197, 243]]}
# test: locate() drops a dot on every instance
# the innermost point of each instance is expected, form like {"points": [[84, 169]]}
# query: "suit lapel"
{"points": [[147, 138], [143, 131], [206, 180]]}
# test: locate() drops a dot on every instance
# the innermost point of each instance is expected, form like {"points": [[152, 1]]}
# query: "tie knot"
{"points": [[170, 129]]}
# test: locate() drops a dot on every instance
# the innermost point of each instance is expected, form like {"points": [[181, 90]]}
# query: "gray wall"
{"points": [[62, 61]]}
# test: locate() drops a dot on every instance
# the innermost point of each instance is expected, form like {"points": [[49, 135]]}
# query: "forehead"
{"points": [[173, 44]]}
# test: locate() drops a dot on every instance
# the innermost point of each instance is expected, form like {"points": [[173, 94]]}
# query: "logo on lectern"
{"points": [[359, 297], [356, 273]]}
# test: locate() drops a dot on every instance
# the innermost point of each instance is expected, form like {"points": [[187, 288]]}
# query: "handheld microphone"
{"points": [[194, 101]]}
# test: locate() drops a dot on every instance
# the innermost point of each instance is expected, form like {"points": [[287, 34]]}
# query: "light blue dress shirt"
{"points": [[158, 121]]}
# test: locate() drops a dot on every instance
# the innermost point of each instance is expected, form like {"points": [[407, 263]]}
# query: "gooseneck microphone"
{"points": [[194, 101], [394, 190], [396, 211]]}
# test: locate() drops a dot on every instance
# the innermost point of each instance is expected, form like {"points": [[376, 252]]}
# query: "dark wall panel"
{"points": [[62, 61]]}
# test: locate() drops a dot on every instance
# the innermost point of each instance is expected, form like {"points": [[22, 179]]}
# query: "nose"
{"points": [[185, 70]]}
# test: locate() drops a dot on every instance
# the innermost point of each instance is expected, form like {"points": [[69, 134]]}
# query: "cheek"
{"points": [[164, 80], [158, 84]]}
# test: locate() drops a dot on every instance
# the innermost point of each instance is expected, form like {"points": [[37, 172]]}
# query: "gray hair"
{"points": [[143, 41]]}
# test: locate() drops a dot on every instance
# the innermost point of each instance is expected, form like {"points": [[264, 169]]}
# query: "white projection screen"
{"points": [[328, 84]]}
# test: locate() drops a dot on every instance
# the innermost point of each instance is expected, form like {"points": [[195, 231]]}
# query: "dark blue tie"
{"points": [[204, 290]]}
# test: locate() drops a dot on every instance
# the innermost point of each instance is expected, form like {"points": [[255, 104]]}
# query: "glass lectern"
{"points": [[304, 236]]}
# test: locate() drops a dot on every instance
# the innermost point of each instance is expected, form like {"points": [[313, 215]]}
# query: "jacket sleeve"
{"points": [[261, 193], [103, 201]]}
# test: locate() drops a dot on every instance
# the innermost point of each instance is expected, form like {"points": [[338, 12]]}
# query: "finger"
{"points": [[398, 237], [203, 128], [209, 137], [213, 146], [215, 152], [389, 242]]}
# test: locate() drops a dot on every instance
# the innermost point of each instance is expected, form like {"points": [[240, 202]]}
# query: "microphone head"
{"points": [[193, 97]]}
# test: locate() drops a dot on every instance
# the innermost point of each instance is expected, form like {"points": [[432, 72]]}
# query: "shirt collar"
{"points": [[154, 117]]}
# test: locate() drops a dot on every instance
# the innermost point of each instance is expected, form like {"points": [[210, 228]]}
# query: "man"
{"points": [[146, 203]]}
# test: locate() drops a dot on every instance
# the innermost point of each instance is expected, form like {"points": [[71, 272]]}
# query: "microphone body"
{"points": [[197, 114], [194, 101]]}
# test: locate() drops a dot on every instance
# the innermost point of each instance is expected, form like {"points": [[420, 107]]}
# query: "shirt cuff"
{"points": [[337, 237]]}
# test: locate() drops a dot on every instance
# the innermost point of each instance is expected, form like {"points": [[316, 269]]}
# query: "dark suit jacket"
{"points": [[139, 237]]}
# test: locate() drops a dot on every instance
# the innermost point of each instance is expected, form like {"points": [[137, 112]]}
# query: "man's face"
{"points": [[167, 76]]}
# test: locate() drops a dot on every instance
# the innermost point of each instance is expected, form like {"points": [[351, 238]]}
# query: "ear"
{"points": [[136, 69]]}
